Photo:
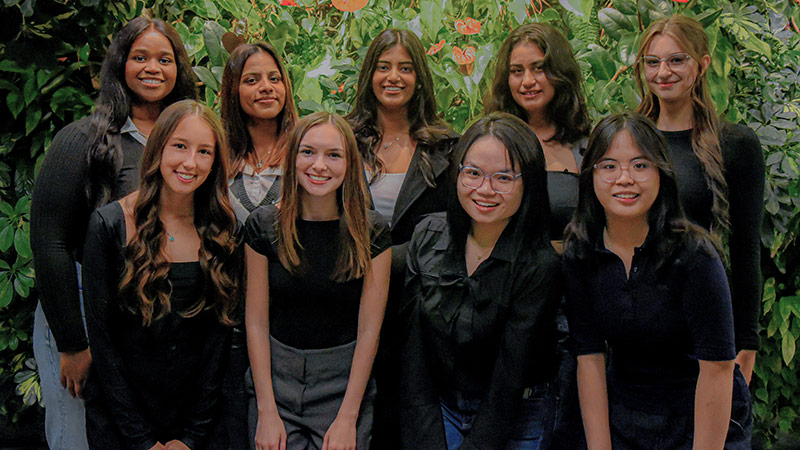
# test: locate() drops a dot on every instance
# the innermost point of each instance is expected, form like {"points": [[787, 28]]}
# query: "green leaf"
{"points": [[206, 77], [430, 18], [21, 289], [32, 117], [9, 65], [6, 237], [6, 209], [23, 205], [42, 77], [15, 102], [519, 10], [212, 38], [6, 292], [22, 243], [614, 22], [83, 53]]}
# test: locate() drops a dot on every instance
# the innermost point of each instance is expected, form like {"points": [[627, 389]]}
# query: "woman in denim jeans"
{"points": [[480, 300]]}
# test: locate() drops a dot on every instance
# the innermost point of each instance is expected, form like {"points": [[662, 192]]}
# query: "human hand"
{"points": [[270, 432], [341, 435], [176, 445], [75, 370]]}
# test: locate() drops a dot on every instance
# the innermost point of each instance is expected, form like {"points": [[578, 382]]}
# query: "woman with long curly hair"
{"points": [[719, 165], [160, 290], [648, 304], [90, 163], [258, 112], [317, 280], [538, 80], [405, 147]]}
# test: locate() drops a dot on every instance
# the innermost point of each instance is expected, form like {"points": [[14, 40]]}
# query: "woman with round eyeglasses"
{"points": [[708, 155], [480, 300], [647, 290]]}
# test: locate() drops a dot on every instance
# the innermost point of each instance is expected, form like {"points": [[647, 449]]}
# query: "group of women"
{"points": [[531, 283]]}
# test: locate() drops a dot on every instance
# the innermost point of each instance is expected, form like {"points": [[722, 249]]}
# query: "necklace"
{"points": [[261, 162], [485, 252], [171, 237], [385, 146]]}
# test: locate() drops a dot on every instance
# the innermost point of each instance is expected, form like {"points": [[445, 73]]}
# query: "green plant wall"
{"points": [[50, 53]]}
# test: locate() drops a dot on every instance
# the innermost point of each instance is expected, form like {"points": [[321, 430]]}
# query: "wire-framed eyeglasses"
{"points": [[610, 170], [500, 182], [675, 62]]}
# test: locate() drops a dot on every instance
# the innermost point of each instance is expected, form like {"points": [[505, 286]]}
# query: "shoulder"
{"points": [[108, 219], [431, 229], [380, 236], [541, 259], [259, 227], [740, 145], [71, 140]]}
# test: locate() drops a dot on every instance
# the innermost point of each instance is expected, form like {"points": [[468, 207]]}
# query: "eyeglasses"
{"points": [[610, 170], [675, 62], [500, 182]]}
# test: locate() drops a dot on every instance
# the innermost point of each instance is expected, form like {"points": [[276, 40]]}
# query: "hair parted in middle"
{"points": [[531, 223], [144, 286], [665, 218], [426, 127], [353, 260], [567, 110], [688, 33], [233, 116]]}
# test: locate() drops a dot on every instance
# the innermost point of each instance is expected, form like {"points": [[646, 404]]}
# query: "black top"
{"points": [[744, 170], [311, 311], [654, 325], [562, 191], [59, 215], [159, 382], [488, 335]]}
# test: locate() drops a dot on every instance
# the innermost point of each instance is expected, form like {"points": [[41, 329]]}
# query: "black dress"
{"points": [[147, 383]]}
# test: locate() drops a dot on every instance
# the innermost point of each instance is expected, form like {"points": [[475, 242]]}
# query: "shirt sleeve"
{"points": [[101, 278], [584, 337], [707, 305], [528, 338], [59, 212], [380, 237], [744, 172], [257, 228]]}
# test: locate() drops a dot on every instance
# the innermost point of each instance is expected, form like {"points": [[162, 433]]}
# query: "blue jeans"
{"points": [[528, 430], [64, 419]]}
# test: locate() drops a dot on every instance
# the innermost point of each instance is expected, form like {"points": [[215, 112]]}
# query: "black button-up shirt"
{"points": [[488, 335], [655, 324]]}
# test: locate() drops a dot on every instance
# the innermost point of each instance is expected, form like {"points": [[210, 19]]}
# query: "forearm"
{"points": [[747, 361], [360, 370], [712, 404], [593, 394], [258, 349]]}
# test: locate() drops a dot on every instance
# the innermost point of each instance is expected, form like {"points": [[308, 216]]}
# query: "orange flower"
{"points": [[349, 5], [288, 3], [468, 26], [435, 48], [465, 56]]}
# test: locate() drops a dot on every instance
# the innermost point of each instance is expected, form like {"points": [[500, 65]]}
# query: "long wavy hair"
{"points": [[666, 220], [236, 120], [690, 36], [567, 110], [426, 127], [531, 223], [353, 260], [144, 285], [113, 105]]}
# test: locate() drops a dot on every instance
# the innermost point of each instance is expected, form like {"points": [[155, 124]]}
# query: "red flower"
{"points": [[465, 56], [288, 3], [349, 5], [468, 26], [435, 48]]}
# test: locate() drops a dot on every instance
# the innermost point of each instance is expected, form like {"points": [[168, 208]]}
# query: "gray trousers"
{"points": [[309, 387]]}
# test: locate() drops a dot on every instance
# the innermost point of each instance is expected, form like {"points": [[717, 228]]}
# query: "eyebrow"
{"points": [[469, 164], [400, 63]]}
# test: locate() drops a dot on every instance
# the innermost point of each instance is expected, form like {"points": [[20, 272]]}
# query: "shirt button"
{"points": [[635, 269]]}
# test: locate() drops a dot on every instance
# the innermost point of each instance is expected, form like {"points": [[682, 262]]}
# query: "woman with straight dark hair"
{"points": [[317, 278], [647, 289], [259, 113], [161, 287], [480, 300], [538, 80], [719, 165], [90, 163], [405, 147]]}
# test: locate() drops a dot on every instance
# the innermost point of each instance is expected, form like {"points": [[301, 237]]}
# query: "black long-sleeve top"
{"points": [[655, 324], [488, 335], [158, 382], [59, 215], [743, 164]]}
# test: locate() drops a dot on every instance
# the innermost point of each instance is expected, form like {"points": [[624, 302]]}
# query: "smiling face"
{"points": [[626, 199], [150, 69], [484, 205], [188, 156], [394, 80], [672, 85], [320, 161], [262, 94], [529, 85]]}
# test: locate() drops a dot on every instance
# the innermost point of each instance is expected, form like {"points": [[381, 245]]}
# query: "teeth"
{"points": [[184, 176], [150, 81], [485, 204], [393, 88], [626, 195], [318, 178]]}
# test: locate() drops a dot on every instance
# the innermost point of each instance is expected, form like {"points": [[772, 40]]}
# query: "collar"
{"points": [[130, 128], [453, 262], [648, 244]]}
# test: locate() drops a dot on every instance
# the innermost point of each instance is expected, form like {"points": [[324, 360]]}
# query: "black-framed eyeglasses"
{"points": [[675, 61], [638, 169], [500, 182]]}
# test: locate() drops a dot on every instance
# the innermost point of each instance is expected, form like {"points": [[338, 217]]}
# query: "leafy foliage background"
{"points": [[51, 50]]}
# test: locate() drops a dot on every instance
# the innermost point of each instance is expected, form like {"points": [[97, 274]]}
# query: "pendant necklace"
{"points": [[170, 236], [261, 162], [385, 146]]}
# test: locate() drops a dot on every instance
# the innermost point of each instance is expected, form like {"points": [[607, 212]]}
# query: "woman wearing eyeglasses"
{"points": [[648, 291], [480, 300], [719, 166]]}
